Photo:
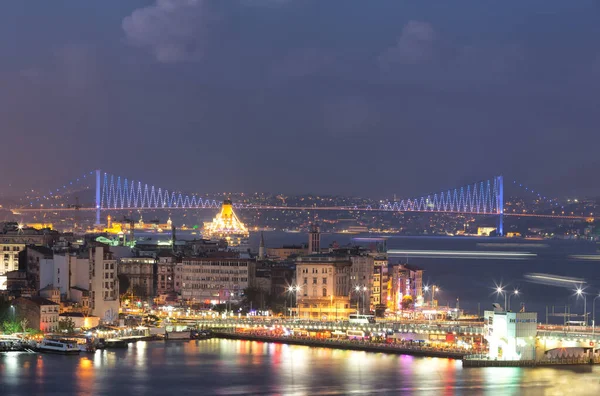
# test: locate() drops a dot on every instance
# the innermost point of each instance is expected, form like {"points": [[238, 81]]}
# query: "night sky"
{"points": [[301, 96]]}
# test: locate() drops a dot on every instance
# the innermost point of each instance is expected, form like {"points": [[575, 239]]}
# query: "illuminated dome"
{"points": [[226, 225]]}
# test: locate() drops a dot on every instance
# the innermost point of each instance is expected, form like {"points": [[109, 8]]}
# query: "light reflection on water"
{"points": [[225, 367]]}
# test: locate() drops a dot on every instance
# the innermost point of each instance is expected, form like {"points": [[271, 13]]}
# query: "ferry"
{"points": [[58, 346]]}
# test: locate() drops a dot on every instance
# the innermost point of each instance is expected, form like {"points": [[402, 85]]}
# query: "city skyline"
{"points": [[301, 97]]}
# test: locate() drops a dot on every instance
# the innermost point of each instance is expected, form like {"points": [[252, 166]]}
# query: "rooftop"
{"points": [[46, 251], [40, 301]]}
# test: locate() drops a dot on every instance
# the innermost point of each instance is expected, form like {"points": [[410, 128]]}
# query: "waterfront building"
{"points": [[226, 226], [103, 283], [323, 287], [40, 313], [314, 239], [165, 273], [81, 320], [263, 279], [404, 280], [214, 280], [510, 335], [361, 279], [282, 277], [140, 273], [380, 280]]}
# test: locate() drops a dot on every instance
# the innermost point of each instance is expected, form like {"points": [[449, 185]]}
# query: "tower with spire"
{"points": [[262, 252]]}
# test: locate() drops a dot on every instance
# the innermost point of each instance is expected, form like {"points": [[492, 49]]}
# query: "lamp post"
{"points": [[581, 293], [594, 314], [292, 290], [434, 289], [364, 292], [500, 291], [514, 293]]}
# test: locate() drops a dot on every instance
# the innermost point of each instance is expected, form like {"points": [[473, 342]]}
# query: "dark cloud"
{"points": [[172, 30]]}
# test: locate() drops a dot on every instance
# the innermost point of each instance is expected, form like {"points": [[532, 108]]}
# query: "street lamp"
{"points": [[433, 290], [514, 293], [364, 290], [579, 294], [292, 290], [500, 291]]}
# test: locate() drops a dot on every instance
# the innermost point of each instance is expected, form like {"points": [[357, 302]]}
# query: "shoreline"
{"points": [[342, 345]]}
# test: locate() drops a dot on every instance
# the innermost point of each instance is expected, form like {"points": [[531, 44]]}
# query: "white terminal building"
{"points": [[510, 335]]}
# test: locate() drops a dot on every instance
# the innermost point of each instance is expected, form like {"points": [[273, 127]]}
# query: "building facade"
{"points": [[39, 266], [361, 279], [165, 274], [404, 280], [380, 279], [103, 286], [322, 287], [214, 280], [282, 277], [40, 313], [510, 335], [10, 260], [140, 273], [286, 251]]}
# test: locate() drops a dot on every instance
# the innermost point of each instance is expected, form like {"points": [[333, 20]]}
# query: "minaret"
{"points": [[314, 239], [173, 238], [261, 250]]}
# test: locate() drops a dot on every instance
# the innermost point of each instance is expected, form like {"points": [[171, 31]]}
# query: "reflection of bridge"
{"points": [[113, 193]]}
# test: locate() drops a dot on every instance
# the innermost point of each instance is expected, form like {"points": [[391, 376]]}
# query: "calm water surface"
{"points": [[227, 367]]}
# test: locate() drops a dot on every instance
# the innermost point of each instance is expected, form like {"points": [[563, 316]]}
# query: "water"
{"points": [[227, 367]]}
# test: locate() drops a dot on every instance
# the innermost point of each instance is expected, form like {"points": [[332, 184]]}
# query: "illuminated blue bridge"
{"points": [[118, 193]]}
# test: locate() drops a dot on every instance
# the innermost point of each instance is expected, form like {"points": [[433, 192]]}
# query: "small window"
{"points": [[324, 292]]}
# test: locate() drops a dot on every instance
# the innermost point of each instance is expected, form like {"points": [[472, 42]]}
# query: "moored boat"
{"points": [[178, 335], [58, 346]]}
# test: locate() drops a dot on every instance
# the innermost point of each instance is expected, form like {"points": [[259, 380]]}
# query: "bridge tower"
{"points": [[500, 205], [98, 202]]}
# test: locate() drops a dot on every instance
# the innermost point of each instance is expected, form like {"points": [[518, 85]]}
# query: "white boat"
{"points": [[58, 346], [178, 335]]}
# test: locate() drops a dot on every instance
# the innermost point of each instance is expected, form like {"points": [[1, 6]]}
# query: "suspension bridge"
{"points": [[115, 193]]}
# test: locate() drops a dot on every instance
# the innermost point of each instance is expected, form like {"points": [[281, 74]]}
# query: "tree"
{"points": [[11, 326], [24, 322], [66, 325], [407, 302]]}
